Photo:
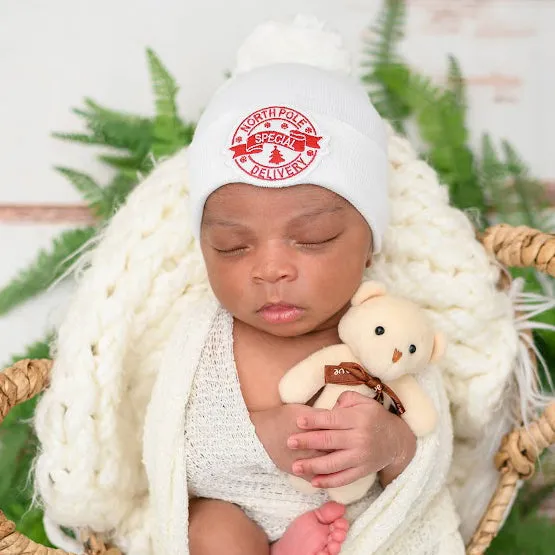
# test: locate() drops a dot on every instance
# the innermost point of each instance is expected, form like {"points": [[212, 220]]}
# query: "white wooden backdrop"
{"points": [[54, 53]]}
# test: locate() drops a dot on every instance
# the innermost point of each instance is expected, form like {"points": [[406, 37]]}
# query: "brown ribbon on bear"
{"points": [[351, 373]]}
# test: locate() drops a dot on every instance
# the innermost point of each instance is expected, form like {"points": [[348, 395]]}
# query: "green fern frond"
{"points": [[167, 124], [455, 81], [530, 194], [77, 138], [165, 88], [124, 162], [46, 269], [386, 101], [442, 126], [418, 90], [139, 136], [104, 201], [492, 177], [515, 164], [113, 129], [90, 190], [167, 145], [389, 30], [382, 58], [186, 133], [115, 194]]}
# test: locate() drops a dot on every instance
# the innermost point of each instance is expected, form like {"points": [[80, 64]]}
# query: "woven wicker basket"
{"points": [[515, 460]]}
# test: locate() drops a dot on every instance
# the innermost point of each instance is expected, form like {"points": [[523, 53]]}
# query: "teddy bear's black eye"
{"points": [[379, 330], [412, 349]]}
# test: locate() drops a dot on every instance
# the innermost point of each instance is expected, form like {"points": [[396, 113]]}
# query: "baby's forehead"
{"points": [[307, 193], [243, 203]]}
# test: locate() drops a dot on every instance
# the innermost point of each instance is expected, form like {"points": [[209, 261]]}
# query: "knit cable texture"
{"points": [[147, 269]]}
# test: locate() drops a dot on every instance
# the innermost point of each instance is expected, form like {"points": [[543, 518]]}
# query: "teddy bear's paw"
{"points": [[352, 492], [423, 422], [300, 484]]}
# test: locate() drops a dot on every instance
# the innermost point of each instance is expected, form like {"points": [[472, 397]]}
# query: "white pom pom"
{"points": [[302, 41]]}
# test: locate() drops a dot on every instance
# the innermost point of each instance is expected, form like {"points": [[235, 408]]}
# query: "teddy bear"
{"points": [[386, 340]]}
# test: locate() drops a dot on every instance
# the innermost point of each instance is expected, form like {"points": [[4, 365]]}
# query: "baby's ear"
{"points": [[368, 290], [439, 347]]}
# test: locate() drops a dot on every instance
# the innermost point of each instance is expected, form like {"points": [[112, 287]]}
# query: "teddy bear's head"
{"points": [[391, 336]]}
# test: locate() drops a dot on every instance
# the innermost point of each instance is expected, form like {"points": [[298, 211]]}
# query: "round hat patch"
{"points": [[275, 143]]}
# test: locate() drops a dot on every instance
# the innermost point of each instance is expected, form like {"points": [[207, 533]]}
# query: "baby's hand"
{"points": [[274, 426], [363, 438]]}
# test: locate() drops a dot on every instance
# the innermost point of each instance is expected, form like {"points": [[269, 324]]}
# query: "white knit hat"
{"points": [[285, 124]]}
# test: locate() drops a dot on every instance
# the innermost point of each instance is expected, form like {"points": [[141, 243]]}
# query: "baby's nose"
{"points": [[396, 355]]}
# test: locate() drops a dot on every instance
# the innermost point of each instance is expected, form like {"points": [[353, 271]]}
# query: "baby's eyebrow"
{"points": [[210, 221], [320, 211]]}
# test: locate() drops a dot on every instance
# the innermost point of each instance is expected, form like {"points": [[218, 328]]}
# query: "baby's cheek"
{"points": [[339, 276], [227, 281]]}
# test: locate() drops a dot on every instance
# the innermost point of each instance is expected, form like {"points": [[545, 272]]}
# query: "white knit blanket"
{"points": [[145, 274]]}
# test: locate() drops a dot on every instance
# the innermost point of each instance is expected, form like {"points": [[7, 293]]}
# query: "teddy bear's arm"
{"points": [[304, 379], [420, 415]]}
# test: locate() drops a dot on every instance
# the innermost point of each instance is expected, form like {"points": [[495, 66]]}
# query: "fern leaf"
{"points": [[115, 194], [442, 126], [113, 129], [456, 82], [389, 31], [123, 162], [46, 269], [90, 190], [167, 123], [515, 164], [387, 102], [165, 88], [531, 197], [381, 59], [493, 178], [77, 138], [186, 133]]}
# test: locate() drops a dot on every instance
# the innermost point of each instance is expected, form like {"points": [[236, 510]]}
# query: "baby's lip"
{"points": [[280, 305]]}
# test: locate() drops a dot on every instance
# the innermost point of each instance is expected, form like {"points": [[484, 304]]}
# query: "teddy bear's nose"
{"points": [[396, 355]]}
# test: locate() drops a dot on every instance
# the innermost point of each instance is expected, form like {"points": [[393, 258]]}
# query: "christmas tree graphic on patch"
{"points": [[276, 157]]}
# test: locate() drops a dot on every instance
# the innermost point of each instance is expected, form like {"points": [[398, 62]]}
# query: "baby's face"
{"points": [[285, 260]]}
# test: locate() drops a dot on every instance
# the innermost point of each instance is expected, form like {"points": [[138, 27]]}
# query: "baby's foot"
{"points": [[319, 532]]}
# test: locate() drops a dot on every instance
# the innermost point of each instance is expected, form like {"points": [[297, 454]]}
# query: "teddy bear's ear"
{"points": [[368, 290], [438, 348]]}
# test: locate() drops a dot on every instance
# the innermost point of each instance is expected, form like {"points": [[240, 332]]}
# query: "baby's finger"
{"points": [[352, 399], [325, 420], [327, 464], [320, 440], [338, 479]]}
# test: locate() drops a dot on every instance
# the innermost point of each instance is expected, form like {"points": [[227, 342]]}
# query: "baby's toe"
{"points": [[338, 535], [334, 548], [340, 524], [330, 512]]}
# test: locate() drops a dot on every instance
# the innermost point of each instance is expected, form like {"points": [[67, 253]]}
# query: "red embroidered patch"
{"points": [[275, 143]]}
